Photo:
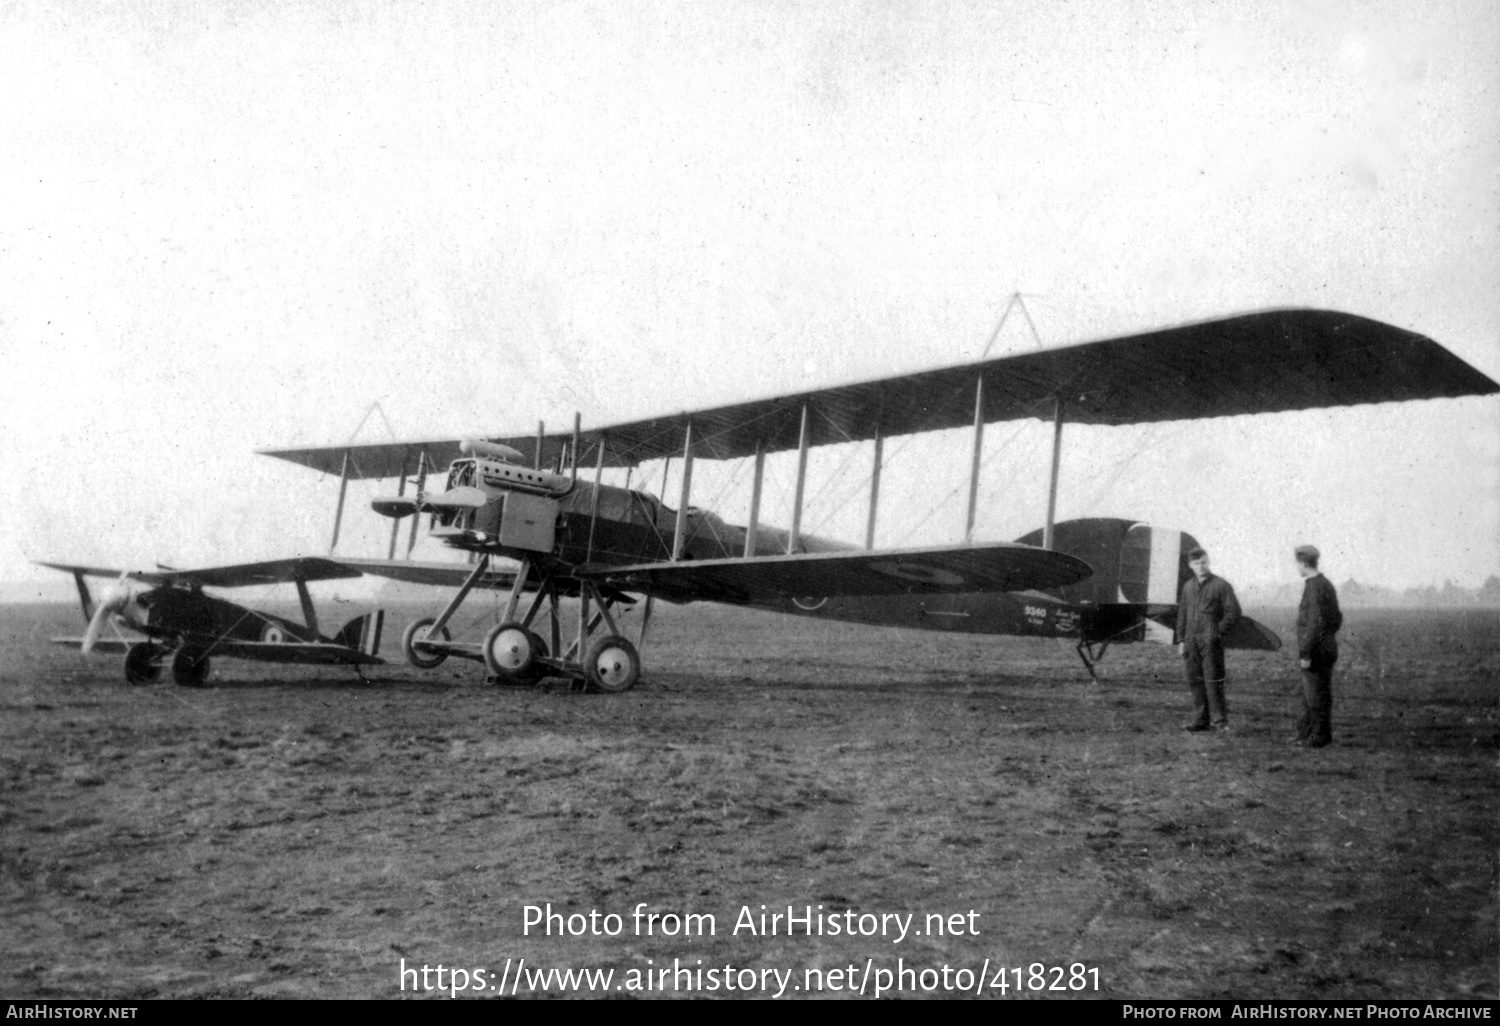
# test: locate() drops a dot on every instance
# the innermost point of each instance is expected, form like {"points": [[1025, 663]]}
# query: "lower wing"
{"points": [[994, 566], [317, 653]]}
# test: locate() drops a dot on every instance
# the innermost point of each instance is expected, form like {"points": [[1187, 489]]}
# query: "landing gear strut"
{"points": [[1091, 653], [599, 658]]}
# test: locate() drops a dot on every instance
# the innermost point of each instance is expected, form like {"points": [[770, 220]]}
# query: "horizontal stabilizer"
{"points": [[994, 566], [1122, 619], [1248, 633]]}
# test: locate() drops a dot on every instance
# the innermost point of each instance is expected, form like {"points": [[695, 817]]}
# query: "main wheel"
{"points": [[511, 652], [189, 670], [142, 663], [418, 654], [613, 664]]}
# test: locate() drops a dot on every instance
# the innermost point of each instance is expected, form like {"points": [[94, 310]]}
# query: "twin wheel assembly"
{"points": [[515, 655], [143, 663]]}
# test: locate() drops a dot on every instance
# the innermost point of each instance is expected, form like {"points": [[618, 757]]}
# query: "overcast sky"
{"points": [[238, 225]]}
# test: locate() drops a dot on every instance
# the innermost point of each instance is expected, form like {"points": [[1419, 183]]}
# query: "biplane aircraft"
{"points": [[1097, 582], [184, 627]]}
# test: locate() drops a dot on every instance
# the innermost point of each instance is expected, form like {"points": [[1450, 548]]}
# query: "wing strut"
{"points": [[400, 490], [680, 534], [753, 528], [308, 612], [577, 429], [794, 536], [1057, 426], [411, 541], [594, 505], [874, 489], [978, 452], [338, 514]]}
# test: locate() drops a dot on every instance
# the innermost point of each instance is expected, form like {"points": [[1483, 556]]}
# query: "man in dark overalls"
{"points": [[1318, 621], [1206, 611]]}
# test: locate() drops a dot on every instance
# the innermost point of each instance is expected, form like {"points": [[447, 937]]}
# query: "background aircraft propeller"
{"points": [[113, 602]]}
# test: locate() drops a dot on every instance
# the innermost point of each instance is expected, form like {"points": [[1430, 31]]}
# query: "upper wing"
{"points": [[994, 566], [276, 571], [1263, 362]]}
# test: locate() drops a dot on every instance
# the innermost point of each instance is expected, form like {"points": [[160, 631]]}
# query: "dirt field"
{"points": [[298, 832]]}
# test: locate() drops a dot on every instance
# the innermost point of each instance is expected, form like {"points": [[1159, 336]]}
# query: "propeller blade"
{"points": [[465, 497], [110, 604], [394, 506]]}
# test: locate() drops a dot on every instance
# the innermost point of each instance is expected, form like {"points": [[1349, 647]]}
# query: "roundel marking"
{"points": [[919, 573], [273, 634], [809, 602]]}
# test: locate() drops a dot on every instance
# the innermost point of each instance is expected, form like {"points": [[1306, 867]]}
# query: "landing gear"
{"points": [[142, 663], [420, 655], [514, 654], [1091, 652], [189, 669], [613, 665], [599, 657]]}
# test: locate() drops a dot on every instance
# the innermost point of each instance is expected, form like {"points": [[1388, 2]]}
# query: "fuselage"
{"points": [[560, 524], [198, 621]]}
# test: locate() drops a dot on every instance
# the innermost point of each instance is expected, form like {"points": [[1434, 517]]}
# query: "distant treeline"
{"points": [[1354, 594]]}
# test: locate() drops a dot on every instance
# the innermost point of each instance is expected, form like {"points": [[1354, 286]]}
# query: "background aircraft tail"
{"points": [[363, 633]]}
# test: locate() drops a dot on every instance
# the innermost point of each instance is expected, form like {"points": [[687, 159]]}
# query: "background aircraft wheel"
{"points": [[142, 663], [540, 648], [419, 655], [613, 664], [511, 651], [188, 670]]}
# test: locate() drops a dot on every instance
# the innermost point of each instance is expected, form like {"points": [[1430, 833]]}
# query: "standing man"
{"points": [[1318, 621], [1206, 611]]}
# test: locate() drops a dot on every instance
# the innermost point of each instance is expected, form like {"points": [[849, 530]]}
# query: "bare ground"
{"points": [[298, 832]]}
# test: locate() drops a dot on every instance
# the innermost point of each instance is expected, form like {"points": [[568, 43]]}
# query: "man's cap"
{"points": [[1308, 554], [1196, 554]]}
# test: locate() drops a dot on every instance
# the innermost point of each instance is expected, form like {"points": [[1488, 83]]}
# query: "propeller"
{"points": [[396, 506], [112, 603], [462, 497]]}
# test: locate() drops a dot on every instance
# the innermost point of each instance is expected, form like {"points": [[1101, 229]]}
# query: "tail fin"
{"points": [[363, 633], [1153, 565]]}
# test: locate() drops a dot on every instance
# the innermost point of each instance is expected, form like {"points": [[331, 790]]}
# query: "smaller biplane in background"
{"points": [[184, 627]]}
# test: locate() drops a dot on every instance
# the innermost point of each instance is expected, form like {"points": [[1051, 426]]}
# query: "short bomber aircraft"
{"points": [[184, 627], [1097, 582]]}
